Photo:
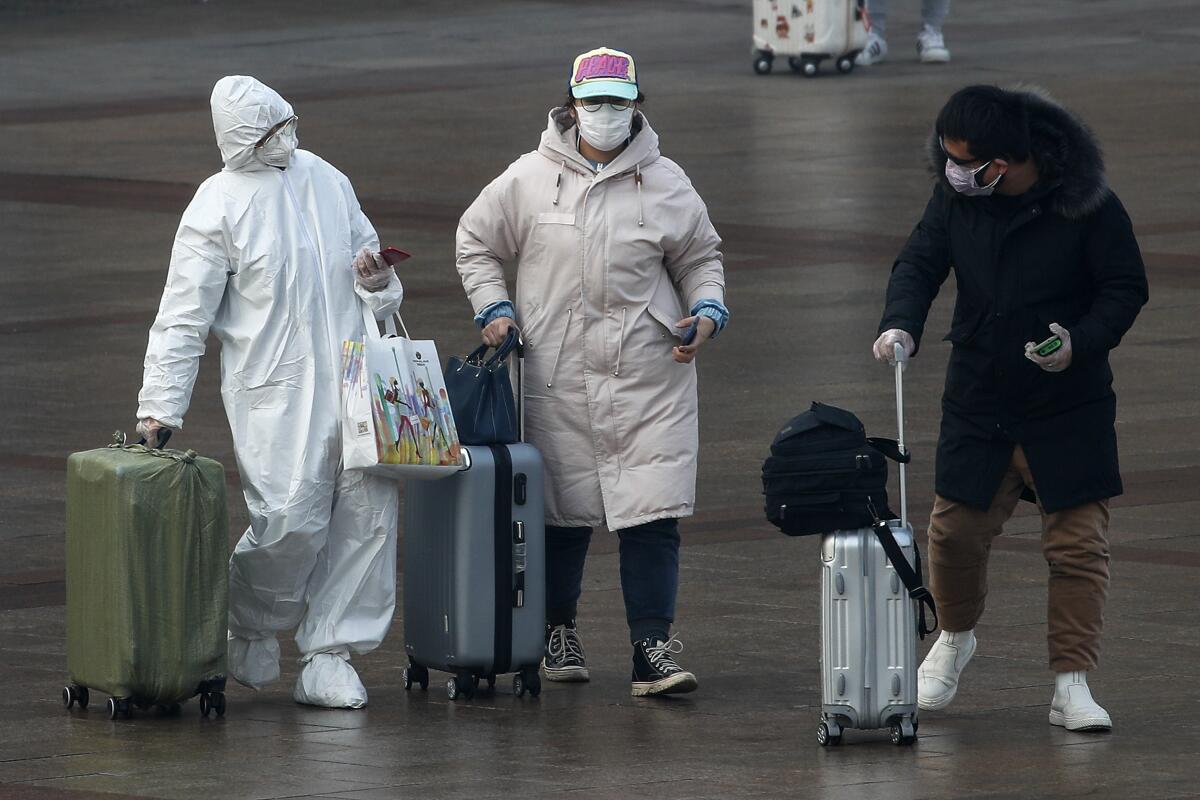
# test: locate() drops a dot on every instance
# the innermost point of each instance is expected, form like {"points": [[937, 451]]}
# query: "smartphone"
{"points": [[1049, 346], [393, 255]]}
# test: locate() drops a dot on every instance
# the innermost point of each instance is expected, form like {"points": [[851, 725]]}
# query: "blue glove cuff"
{"points": [[495, 311]]}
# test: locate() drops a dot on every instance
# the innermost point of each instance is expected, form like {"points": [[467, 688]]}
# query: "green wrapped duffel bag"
{"points": [[147, 578]]}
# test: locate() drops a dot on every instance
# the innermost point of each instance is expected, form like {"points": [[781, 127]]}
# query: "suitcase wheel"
{"points": [[845, 64], [903, 732], [73, 694], [212, 702], [527, 681], [414, 673], [491, 681], [119, 707], [827, 737], [763, 62], [461, 685], [808, 67]]}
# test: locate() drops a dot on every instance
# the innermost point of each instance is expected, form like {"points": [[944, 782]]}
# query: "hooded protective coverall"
{"points": [[263, 258]]}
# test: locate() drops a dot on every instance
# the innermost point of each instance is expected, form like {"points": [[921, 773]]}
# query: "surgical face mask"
{"points": [[606, 128], [277, 150], [963, 180]]}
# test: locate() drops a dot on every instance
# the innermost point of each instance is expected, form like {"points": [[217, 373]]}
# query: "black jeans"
{"points": [[649, 575]]}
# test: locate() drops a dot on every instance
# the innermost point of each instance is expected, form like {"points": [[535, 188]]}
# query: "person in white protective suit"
{"points": [[265, 258]]}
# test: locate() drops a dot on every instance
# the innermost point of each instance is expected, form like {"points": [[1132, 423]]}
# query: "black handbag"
{"points": [[481, 395]]}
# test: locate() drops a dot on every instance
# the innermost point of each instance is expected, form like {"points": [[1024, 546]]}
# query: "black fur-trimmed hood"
{"points": [[1065, 150]]}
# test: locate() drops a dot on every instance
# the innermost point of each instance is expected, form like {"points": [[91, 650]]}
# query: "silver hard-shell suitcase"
{"points": [[869, 623], [475, 571]]}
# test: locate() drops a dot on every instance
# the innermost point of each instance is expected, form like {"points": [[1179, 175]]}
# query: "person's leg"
{"points": [[352, 591], [269, 572], [934, 13], [1075, 545], [566, 553], [931, 44], [876, 48], [960, 540], [649, 583]]}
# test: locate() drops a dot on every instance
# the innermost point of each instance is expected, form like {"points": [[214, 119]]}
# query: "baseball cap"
{"points": [[604, 72]]}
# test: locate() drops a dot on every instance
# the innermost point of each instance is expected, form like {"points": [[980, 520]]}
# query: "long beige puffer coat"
{"points": [[605, 258]]}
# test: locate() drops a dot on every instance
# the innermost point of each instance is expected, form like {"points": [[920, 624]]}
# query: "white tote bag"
{"points": [[396, 418]]}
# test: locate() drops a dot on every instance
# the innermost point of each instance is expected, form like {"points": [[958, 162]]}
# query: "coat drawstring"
{"points": [[562, 344], [620, 342], [558, 182], [637, 178]]}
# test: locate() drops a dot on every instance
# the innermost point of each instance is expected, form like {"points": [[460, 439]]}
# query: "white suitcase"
{"points": [[871, 615], [808, 32]]}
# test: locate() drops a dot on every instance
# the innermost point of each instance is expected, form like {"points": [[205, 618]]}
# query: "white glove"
{"points": [[148, 429], [371, 271], [1057, 361], [885, 345]]}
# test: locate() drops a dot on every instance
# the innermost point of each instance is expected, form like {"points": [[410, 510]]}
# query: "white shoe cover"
{"points": [[253, 662], [1073, 707], [937, 679], [328, 680]]}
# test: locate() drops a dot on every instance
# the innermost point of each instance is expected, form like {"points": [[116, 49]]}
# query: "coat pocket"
{"points": [[666, 320], [555, 218]]}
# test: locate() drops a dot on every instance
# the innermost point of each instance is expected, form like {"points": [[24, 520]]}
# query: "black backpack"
{"points": [[825, 474]]}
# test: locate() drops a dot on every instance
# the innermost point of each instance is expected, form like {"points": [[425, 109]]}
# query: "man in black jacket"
{"points": [[1041, 250]]}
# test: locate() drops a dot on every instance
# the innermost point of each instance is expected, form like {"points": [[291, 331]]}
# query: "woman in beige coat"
{"points": [[610, 238]]}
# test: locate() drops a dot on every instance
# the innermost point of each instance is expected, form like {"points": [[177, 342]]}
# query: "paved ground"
{"points": [[104, 133]]}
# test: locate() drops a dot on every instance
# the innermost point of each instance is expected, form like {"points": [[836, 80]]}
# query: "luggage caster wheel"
{"points": [[491, 682], [406, 679], [217, 703], [518, 685], [845, 64], [534, 683], [205, 705], [824, 738], [73, 694], [763, 61], [903, 733], [810, 69], [119, 708], [422, 677]]}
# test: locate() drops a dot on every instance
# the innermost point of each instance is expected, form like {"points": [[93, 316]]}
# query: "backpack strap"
{"points": [[891, 449], [910, 577]]}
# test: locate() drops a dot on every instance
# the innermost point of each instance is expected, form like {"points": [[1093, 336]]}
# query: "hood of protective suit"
{"points": [[243, 110]]}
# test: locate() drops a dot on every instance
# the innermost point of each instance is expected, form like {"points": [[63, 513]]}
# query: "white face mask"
{"points": [[277, 151], [963, 179], [606, 128]]}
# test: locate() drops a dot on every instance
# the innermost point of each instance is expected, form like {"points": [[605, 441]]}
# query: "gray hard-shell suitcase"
{"points": [[869, 622], [475, 571]]}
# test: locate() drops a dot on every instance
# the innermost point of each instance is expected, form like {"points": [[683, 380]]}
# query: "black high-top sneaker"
{"points": [[655, 670], [564, 659]]}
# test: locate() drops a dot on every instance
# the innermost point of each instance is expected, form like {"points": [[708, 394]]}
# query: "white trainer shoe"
{"points": [[328, 680], [253, 662], [875, 51], [931, 46], [937, 679], [1073, 707]]}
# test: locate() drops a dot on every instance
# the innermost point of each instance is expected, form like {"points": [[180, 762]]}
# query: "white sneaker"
{"points": [[937, 679], [931, 46], [328, 680], [253, 662], [1073, 707], [875, 51]]}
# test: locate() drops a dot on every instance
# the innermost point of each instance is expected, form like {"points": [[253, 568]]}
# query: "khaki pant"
{"points": [[1075, 545]]}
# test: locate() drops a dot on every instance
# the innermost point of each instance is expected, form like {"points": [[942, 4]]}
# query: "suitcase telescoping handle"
{"points": [[901, 360]]}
